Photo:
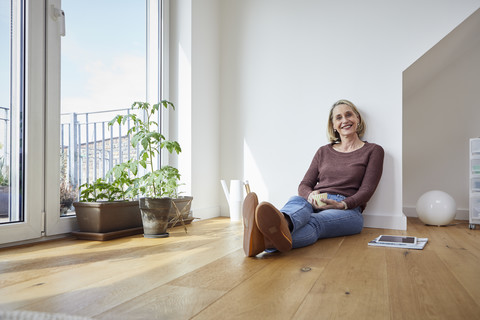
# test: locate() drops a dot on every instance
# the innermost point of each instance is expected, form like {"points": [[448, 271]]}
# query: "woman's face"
{"points": [[345, 120]]}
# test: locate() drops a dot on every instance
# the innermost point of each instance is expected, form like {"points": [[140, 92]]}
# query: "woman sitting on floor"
{"points": [[331, 197]]}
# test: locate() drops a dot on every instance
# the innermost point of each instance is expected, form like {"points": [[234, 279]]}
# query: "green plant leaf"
{"points": [[171, 146], [166, 104], [125, 182]]}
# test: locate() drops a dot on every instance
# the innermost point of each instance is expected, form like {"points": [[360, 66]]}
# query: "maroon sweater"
{"points": [[354, 174]]}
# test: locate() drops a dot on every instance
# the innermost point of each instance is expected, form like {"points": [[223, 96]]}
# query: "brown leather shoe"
{"points": [[253, 240], [273, 225]]}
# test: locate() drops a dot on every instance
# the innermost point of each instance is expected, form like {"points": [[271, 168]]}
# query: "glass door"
{"points": [[7, 44], [103, 71], [103, 50], [67, 67], [21, 120]]}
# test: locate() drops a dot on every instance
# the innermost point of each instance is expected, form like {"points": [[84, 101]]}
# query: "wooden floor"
{"points": [[205, 275]]}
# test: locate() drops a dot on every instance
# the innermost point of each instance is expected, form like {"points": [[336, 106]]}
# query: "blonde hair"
{"points": [[333, 136]]}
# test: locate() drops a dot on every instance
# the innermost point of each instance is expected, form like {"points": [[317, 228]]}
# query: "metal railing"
{"points": [[90, 148]]}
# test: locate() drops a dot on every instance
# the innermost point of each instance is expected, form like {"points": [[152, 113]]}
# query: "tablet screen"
{"points": [[397, 239]]}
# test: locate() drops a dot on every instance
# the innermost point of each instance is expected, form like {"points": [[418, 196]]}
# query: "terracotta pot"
{"points": [[155, 212], [103, 217]]}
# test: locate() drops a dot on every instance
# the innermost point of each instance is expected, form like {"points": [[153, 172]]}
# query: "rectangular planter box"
{"points": [[104, 217]]}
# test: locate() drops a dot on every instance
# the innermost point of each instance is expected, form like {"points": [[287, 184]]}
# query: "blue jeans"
{"points": [[309, 226]]}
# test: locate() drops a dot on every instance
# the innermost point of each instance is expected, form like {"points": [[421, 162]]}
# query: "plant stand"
{"points": [[181, 209]]}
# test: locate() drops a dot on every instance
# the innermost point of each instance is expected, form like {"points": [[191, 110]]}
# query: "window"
{"points": [[104, 63], [12, 122], [103, 71]]}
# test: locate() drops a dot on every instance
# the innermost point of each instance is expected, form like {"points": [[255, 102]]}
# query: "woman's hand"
{"points": [[312, 201], [324, 204], [331, 204]]}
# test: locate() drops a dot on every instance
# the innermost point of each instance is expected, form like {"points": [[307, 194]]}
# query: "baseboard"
{"points": [[206, 213], [397, 222], [462, 214], [410, 212]]}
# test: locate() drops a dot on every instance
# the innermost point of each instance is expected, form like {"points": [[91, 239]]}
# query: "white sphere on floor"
{"points": [[436, 208]]}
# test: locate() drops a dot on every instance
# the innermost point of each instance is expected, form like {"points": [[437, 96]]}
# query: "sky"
{"points": [[103, 57], [103, 54]]}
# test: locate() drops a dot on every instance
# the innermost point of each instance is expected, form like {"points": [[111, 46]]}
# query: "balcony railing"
{"points": [[90, 148]]}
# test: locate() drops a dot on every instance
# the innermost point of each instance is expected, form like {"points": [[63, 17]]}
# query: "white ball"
{"points": [[436, 208]]}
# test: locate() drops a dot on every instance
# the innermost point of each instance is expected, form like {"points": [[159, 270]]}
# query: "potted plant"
{"points": [[106, 209], [158, 186]]}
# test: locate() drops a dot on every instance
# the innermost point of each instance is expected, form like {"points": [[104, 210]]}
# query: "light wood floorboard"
{"points": [[205, 275]]}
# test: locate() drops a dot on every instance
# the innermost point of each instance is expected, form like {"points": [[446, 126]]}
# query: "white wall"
{"points": [[441, 114], [281, 65], [206, 108], [194, 82]]}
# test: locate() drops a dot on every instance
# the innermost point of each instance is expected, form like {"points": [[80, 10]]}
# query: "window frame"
{"points": [[32, 100], [42, 113], [154, 79]]}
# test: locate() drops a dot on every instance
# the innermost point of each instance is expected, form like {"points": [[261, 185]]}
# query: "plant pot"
{"points": [[183, 204], [105, 217], [155, 212]]}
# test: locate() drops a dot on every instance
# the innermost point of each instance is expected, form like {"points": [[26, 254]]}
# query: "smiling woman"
{"points": [[341, 179], [345, 126]]}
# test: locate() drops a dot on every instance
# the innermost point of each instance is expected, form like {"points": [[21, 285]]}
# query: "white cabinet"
{"points": [[474, 213]]}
